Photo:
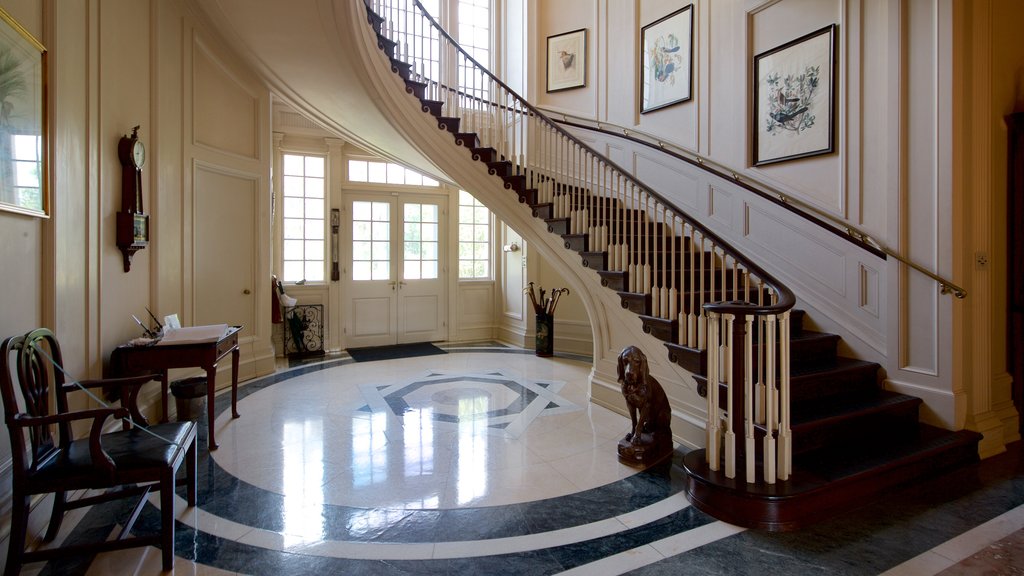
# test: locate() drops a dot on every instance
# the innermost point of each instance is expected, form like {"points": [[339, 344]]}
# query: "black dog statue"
{"points": [[650, 438]]}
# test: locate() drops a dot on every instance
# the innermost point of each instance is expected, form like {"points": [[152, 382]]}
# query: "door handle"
{"points": [[392, 284], [246, 292]]}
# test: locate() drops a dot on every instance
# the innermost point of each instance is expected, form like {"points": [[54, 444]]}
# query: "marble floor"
{"points": [[490, 460]]}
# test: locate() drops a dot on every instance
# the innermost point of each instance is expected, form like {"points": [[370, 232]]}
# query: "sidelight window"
{"points": [[303, 230]]}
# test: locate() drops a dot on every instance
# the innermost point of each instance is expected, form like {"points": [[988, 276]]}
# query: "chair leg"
{"points": [[191, 473], [56, 516], [167, 519], [19, 528]]}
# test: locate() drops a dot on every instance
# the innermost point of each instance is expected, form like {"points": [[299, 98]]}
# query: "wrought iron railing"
{"points": [[715, 298]]}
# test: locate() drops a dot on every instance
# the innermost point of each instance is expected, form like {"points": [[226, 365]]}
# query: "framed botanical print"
{"points": [[567, 60], [794, 99], [23, 150], [666, 61]]}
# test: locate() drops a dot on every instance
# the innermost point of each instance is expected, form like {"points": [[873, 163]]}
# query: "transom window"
{"points": [[303, 218], [474, 238], [386, 173]]}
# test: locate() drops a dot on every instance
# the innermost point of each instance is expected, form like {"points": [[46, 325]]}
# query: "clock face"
{"points": [[138, 154]]}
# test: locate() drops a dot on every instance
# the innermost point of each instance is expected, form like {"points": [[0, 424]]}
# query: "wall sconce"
{"points": [[513, 247]]}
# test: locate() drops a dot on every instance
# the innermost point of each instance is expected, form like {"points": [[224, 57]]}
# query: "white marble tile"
{"points": [[618, 563], [594, 468], [679, 543], [922, 565], [963, 546], [655, 511], [141, 561]]}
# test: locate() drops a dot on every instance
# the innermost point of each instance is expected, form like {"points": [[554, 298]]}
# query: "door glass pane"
{"points": [[371, 246], [420, 239]]}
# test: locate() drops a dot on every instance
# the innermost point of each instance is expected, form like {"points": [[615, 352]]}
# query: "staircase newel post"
{"points": [[748, 395], [771, 410], [786, 440], [733, 400], [714, 449]]}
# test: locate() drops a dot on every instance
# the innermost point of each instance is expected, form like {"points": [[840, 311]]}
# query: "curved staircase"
{"points": [[814, 433]]}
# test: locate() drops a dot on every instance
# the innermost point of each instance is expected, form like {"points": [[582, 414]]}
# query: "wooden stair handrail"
{"points": [[786, 299]]}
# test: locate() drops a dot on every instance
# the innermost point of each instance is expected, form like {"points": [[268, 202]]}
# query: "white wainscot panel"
{"points": [[226, 113], [618, 155], [722, 207], [869, 289], [676, 186], [815, 262], [475, 305]]}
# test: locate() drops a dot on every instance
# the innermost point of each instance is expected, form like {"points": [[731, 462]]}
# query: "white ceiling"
{"points": [[303, 50]]}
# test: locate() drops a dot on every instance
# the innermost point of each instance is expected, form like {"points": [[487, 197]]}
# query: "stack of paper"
{"points": [[193, 334]]}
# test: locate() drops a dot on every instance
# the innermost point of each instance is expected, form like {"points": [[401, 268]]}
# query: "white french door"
{"points": [[394, 274]]}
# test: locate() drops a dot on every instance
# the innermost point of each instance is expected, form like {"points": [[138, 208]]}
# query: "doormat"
{"points": [[393, 352]]}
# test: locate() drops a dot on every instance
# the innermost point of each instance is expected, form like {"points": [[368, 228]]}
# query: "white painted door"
{"points": [[225, 249], [394, 275]]}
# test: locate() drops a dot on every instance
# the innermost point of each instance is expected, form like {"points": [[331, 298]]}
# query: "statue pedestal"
{"points": [[651, 448]]}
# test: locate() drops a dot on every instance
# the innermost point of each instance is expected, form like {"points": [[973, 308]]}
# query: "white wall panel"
{"points": [[226, 112], [814, 260], [476, 305], [683, 187]]}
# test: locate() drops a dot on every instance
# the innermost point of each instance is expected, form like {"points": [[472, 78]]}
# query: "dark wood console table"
{"points": [[158, 359]]}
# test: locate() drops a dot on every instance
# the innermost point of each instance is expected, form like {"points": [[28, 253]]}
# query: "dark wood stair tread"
{"points": [[825, 482], [825, 413]]}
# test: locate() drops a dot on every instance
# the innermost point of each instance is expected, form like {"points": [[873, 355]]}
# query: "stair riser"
{"points": [[808, 389], [866, 428], [727, 501], [832, 384]]}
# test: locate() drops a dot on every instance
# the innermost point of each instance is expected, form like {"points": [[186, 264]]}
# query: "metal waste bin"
{"points": [[189, 397]]}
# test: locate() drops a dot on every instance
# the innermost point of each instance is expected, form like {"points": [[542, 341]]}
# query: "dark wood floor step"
{"points": [[827, 482], [614, 279], [666, 330], [841, 424], [375, 20], [485, 154], [594, 260], [433, 107], [691, 359], [403, 69], [809, 350], [500, 168], [417, 89], [847, 378], [449, 123], [817, 348], [386, 44], [636, 302], [467, 139]]}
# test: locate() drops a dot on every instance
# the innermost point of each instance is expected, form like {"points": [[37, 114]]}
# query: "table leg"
{"points": [[164, 395], [234, 382], [211, 386]]}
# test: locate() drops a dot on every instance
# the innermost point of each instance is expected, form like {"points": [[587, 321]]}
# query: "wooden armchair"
{"points": [[132, 461]]}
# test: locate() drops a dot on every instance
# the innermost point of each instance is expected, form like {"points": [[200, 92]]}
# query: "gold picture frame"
{"points": [[23, 130]]}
